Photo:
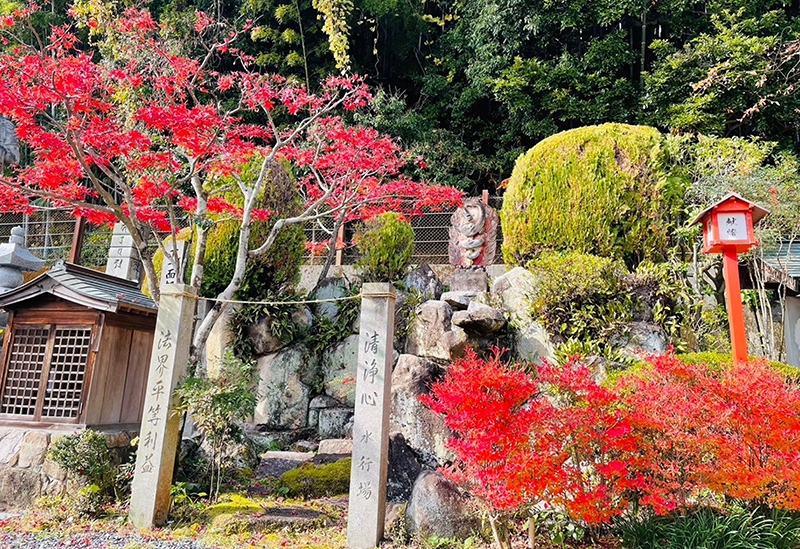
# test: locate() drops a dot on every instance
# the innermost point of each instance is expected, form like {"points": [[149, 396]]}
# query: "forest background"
{"points": [[468, 85]]}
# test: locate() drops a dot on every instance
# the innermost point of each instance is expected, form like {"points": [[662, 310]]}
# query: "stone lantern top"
{"points": [[14, 254]]}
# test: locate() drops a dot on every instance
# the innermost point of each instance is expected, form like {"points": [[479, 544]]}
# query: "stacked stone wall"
{"points": [[25, 472]]}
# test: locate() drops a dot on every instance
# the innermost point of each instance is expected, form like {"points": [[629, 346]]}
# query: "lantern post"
{"points": [[728, 229]]}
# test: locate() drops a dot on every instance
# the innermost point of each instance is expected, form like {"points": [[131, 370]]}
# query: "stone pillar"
{"points": [[123, 258], [791, 327], [368, 474], [160, 430], [169, 271]]}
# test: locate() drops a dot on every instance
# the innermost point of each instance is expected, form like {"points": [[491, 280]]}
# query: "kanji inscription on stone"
{"points": [[158, 435], [367, 504]]}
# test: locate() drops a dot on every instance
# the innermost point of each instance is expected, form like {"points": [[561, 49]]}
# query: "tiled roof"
{"points": [[85, 286]]}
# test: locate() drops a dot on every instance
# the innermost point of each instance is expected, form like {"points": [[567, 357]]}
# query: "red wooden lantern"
{"points": [[728, 229], [728, 224]]}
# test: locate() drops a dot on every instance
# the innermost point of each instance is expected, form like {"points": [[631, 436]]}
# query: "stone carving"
{"points": [[9, 144], [473, 235]]}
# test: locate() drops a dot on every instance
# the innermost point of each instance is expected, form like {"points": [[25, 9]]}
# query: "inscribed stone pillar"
{"points": [[123, 259], [158, 436], [367, 507]]}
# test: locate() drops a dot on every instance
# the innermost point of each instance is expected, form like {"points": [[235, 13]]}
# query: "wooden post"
{"points": [[77, 241], [733, 297], [369, 469]]}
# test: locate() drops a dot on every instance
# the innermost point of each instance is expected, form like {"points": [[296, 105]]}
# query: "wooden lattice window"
{"points": [[46, 370], [24, 375]]}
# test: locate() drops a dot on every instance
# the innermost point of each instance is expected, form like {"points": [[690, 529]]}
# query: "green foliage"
{"points": [[312, 480], [707, 528], [597, 190], [580, 296], [216, 403], [281, 324], [271, 272], [720, 361], [326, 332], [728, 80], [94, 252], [386, 245], [86, 455]]}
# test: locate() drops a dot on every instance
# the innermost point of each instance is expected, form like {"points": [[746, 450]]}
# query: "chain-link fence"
{"points": [[49, 232], [432, 237]]}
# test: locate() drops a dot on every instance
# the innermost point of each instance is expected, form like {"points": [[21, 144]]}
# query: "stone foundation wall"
{"points": [[25, 472]]}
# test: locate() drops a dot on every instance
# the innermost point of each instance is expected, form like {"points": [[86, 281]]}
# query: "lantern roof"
{"points": [[758, 212]]}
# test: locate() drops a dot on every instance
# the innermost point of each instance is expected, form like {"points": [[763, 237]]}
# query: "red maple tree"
{"points": [[129, 128], [663, 436]]}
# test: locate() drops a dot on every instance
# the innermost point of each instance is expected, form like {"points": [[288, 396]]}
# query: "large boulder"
{"points": [[479, 319], [330, 288], [424, 431], [532, 342], [339, 366], [432, 335], [424, 280], [438, 508], [641, 338], [404, 468], [219, 340], [283, 389], [261, 336], [515, 290]]}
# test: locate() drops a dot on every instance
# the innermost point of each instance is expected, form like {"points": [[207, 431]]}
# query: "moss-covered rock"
{"points": [[600, 190], [312, 480], [271, 272], [280, 266]]}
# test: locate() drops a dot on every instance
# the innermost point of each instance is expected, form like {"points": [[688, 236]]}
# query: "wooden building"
{"points": [[76, 350]]}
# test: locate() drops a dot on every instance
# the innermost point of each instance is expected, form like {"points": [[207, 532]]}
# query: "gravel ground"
{"points": [[99, 540]]}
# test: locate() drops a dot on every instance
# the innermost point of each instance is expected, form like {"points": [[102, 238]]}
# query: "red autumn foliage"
{"points": [[735, 432], [136, 131], [660, 436], [517, 445]]}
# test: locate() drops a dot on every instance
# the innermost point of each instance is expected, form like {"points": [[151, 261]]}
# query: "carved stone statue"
{"points": [[473, 235], [9, 144]]}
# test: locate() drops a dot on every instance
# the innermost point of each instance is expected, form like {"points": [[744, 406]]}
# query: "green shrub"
{"points": [[722, 361], [275, 270], [599, 190], [86, 455], [216, 403], [312, 480], [386, 245], [708, 528], [580, 296]]}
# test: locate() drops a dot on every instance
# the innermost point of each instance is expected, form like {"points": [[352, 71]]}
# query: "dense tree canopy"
{"points": [[470, 84]]}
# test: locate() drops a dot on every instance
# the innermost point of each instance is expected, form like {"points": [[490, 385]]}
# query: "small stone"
{"points": [[460, 300], [342, 446], [479, 319], [10, 443], [432, 335], [54, 470], [304, 446]]}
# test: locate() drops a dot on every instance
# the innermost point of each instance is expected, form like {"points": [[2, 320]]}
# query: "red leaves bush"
{"points": [[661, 436]]}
